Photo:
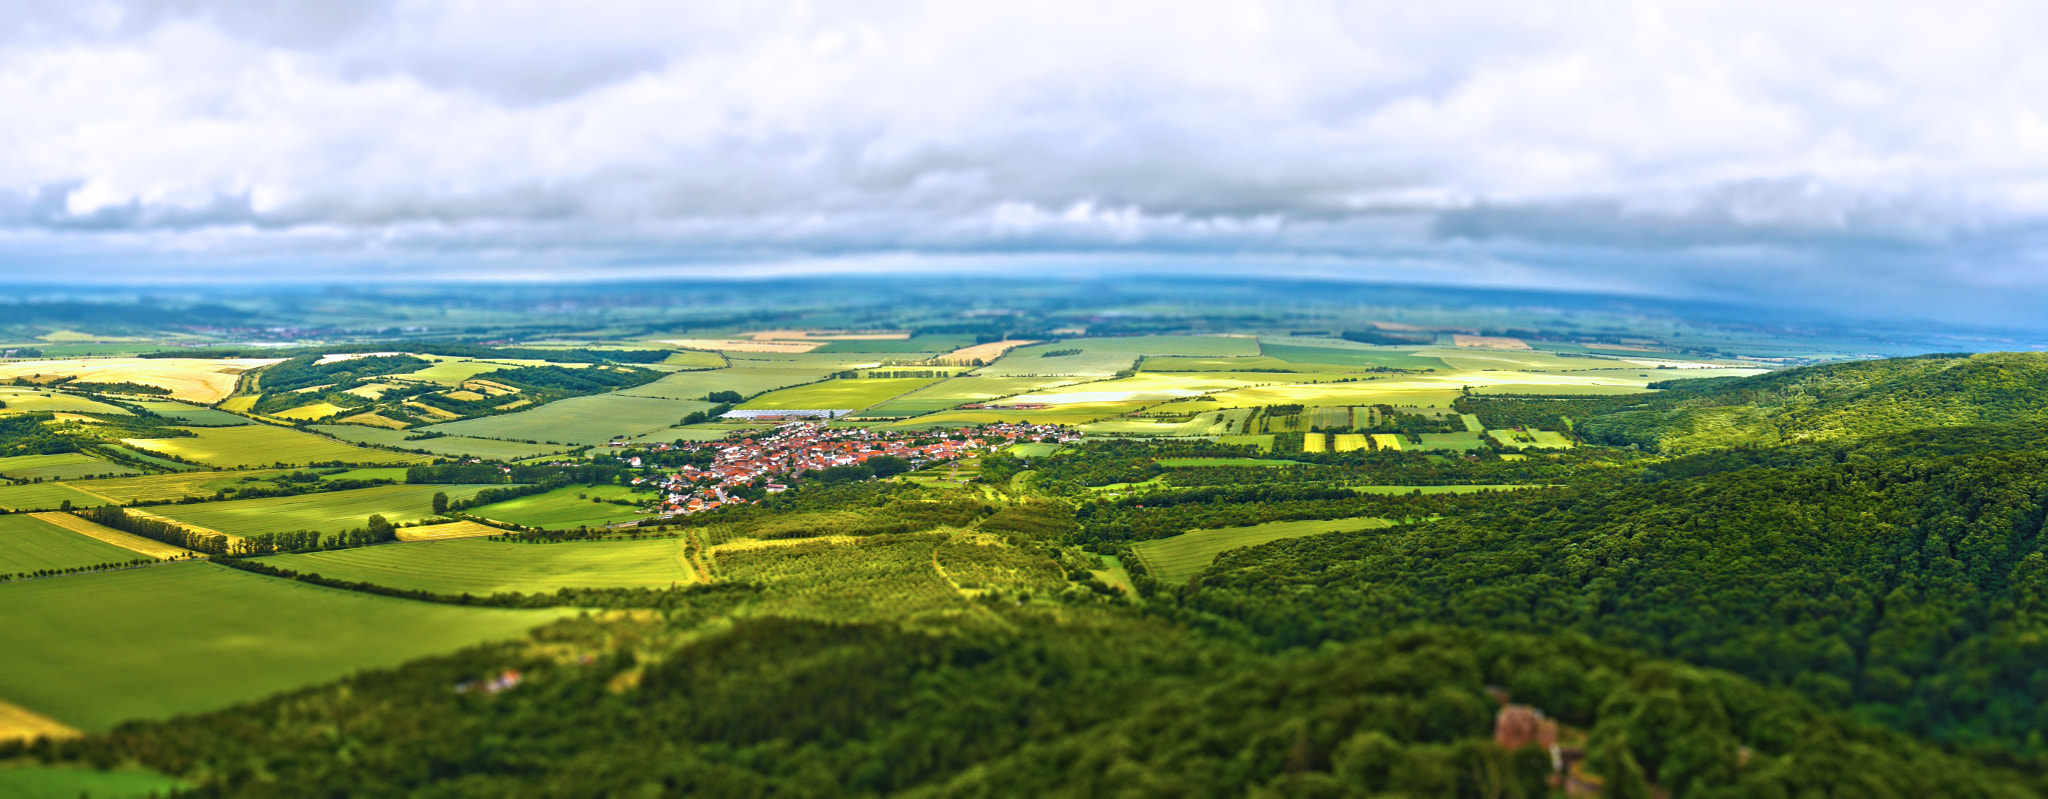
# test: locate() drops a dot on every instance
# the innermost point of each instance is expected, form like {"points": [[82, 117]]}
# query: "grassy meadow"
{"points": [[29, 544], [459, 446], [327, 512], [1173, 560], [492, 567], [579, 420], [568, 506], [66, 466], [854, 394], [93, 650], [21, 399], [263, 445], [47, 496]]}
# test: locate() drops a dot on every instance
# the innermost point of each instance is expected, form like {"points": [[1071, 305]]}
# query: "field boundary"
{"points": [[127, 541], [18, 723]]}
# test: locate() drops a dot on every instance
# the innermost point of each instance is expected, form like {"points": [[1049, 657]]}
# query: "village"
{"points": [[769, 463]]}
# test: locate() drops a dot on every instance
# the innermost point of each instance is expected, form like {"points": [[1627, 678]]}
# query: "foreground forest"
{"points": [[1830, 581]]}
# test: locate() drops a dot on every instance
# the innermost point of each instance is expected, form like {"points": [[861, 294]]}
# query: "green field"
{"points": [[746, 377], [150, 487], [929, 345], [21, 399], [263, 445], [71, 782], [1538, 439], [194, 415], [94, 650], [1346, 356], [1031, 361], [962, 390], [568, 506], [67, 466], [579, 420], [1076, 413], [1187, 463], [1169, 363], [327, 512], [28, 544], [1206, 424], [1455, 442], [1034, 450], [849, 394], [1174, 560], [482, 568], [488, 449], [1209, 346], [45, 496]]}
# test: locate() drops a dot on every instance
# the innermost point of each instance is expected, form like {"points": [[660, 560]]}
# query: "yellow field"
{"points": [[127, 541], [205, 381], [1352, 442], [444, 532], [1490, 342], [240, 404], [21, 724], [1315, 442], [372, 420], [1386, 441], [317, 410], [745, 345], [985, 352]]}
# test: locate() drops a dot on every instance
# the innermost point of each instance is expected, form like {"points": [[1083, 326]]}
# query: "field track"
{"points": [[445, 532], [128, 541], [21, 724]]}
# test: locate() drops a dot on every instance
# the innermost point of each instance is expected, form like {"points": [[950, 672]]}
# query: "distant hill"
{"points": [[1831, 402]]}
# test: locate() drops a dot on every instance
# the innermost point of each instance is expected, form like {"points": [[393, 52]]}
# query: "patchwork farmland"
{"points": [[491, 567]]}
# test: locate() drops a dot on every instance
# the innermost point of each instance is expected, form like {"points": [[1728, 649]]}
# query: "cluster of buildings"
{"points": [[786, 453]]}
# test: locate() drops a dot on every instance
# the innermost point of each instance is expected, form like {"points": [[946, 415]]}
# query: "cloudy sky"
{"points": [[1880, 158]]}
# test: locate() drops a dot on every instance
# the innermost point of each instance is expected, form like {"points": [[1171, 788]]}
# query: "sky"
{"points": [[1873, 159]]}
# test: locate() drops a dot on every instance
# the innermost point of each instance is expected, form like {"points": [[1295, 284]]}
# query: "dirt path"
{"points": [[128, 541]]}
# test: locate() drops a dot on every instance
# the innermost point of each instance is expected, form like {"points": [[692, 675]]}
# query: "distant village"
{"points": [[787, 453]]}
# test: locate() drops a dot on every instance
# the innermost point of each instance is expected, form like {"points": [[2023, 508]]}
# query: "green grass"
{"points": [[45, 496], [71, 782], [327, 512], [1390, 358], [1456, 442], [488, 449], [563, 507], [194, 415], [1031, 361], [849, 394], [263, 445], [1174, 560], [692, 359], [491, 567], [94, 650], [746, 377], [579, 420], [962, 390], [1210, 346], [899, 347], [28, 544], [165, 486], [1184, 463], [21, 399], [67, 466], [1035, 450]]}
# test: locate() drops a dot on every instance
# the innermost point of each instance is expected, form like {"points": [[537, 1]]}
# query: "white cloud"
{"points": [[1632, 144]]}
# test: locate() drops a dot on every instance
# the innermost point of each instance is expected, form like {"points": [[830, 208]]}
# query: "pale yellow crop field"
{"points": [[827, 335], [1351, 442], [985, 352], [18, 723], [202, 380], [445, 532], [128, 541], [1386, 441]]}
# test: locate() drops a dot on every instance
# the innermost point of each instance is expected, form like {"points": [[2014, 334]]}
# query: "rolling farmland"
{"points": [[578, 420], [263, 445], [849, 394], [145, 547], [29, 544], [20, 399], [202, 381], [67, 466], [569, 506], [327, 512], [489, 449], [1173, 560], [46, 496], [97, 649], [153, 487], [494, 567]]}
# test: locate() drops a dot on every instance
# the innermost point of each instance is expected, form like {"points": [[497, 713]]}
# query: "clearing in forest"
{"points": [[483, 568], [1174, 560]]}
